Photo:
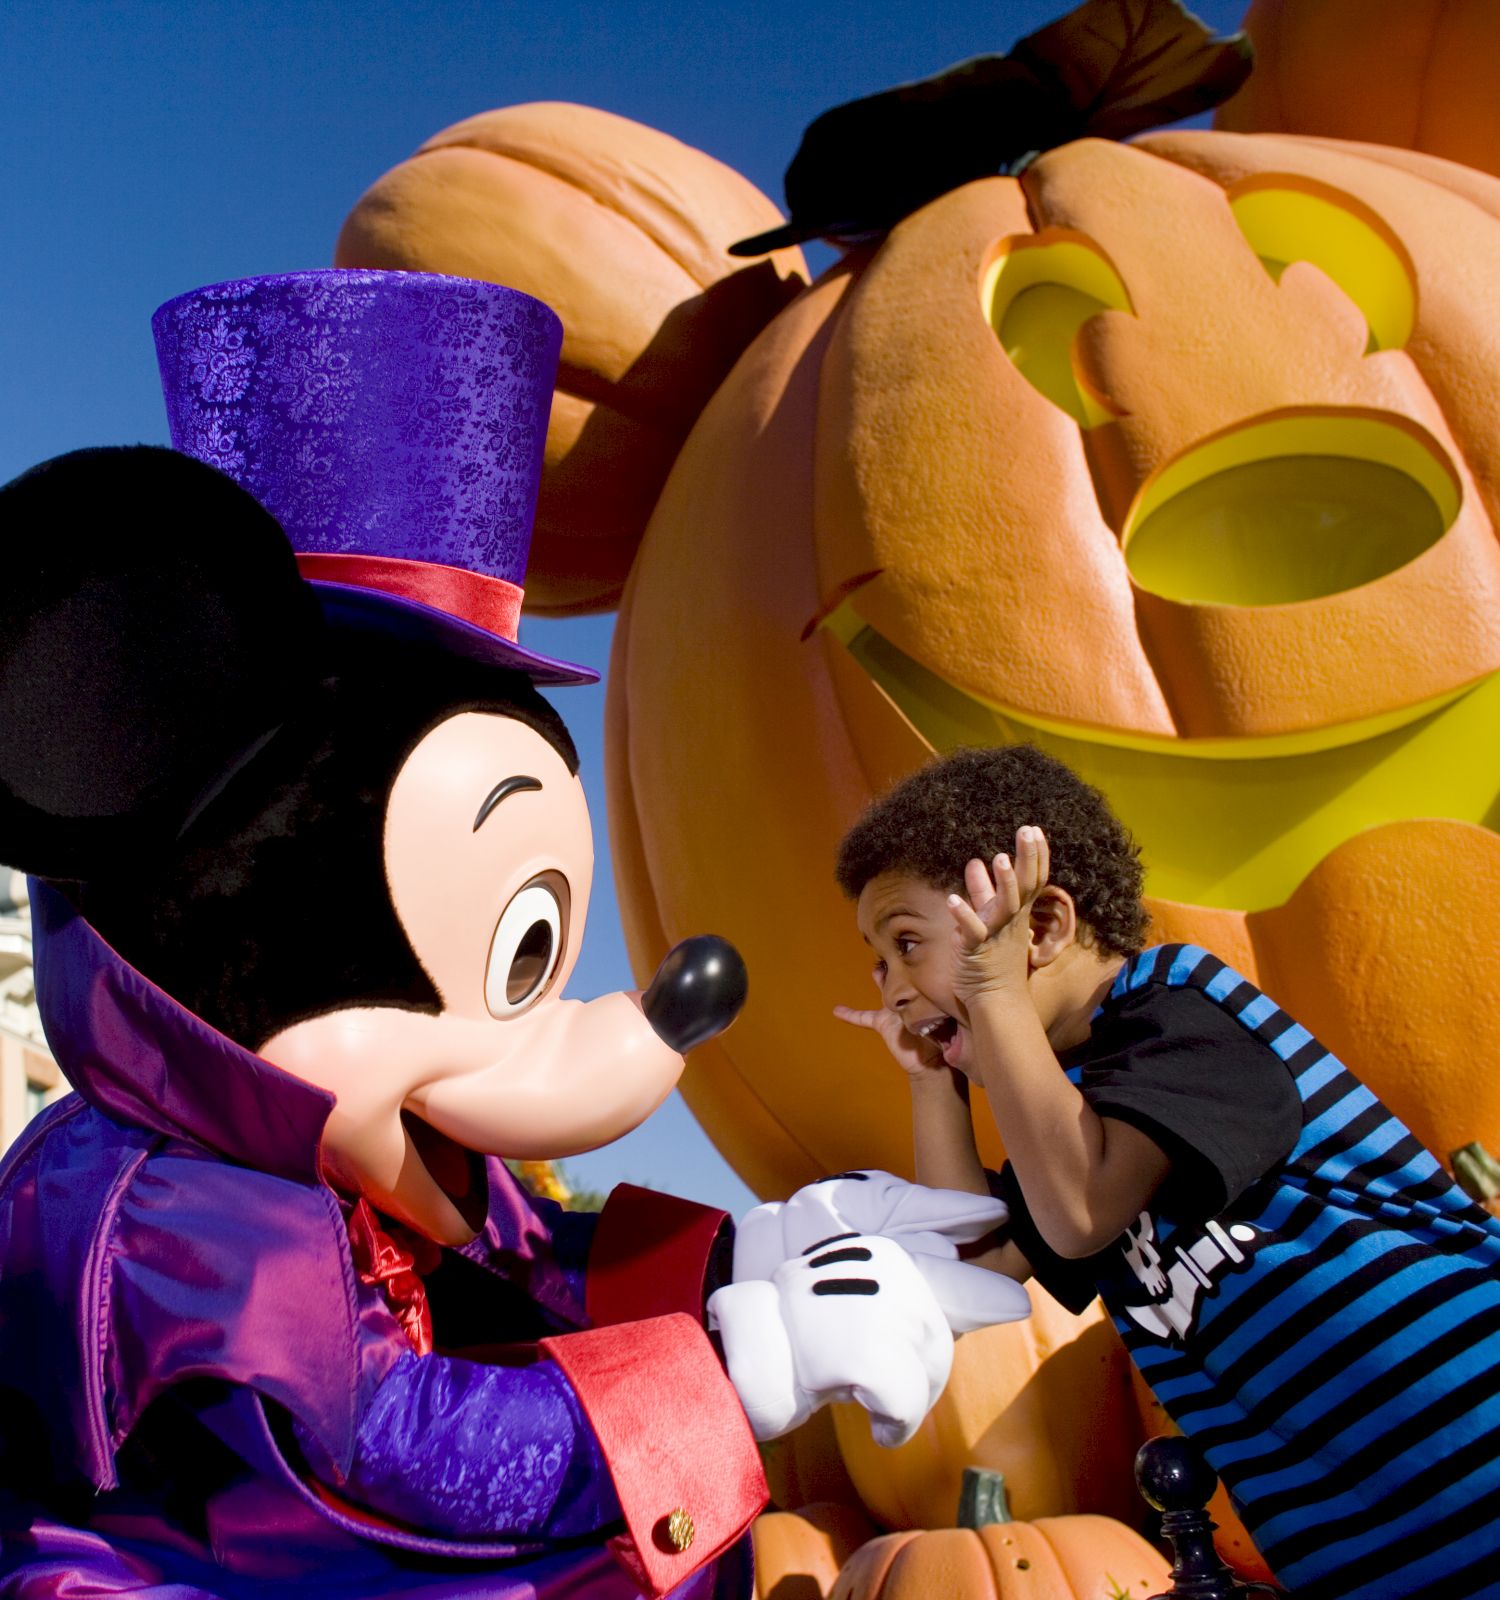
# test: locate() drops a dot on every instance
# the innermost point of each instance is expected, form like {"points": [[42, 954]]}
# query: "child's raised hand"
{"points": [[992, 927], [915, 1056]]}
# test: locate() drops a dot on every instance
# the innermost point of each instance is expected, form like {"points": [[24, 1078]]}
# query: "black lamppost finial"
{"points": [[1177, 1481]]}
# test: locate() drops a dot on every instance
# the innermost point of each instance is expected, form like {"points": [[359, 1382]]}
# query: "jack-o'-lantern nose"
{"points": [[1289, 508]]}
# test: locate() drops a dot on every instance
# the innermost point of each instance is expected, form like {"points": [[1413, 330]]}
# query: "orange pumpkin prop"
{"points": [[881, 426], [1181, 459], [622, 232], [798, 1553], [1053, 1558], [1046, 1402], [1415, 73], [1056, 1408]]}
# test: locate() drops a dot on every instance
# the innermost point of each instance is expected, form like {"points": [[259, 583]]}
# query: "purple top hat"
{"points": [[393, 423]]}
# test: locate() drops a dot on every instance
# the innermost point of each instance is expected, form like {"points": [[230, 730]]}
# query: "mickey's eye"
{"points": [[527, 947]]}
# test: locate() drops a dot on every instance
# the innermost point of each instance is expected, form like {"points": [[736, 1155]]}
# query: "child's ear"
{"points": [[153, 632], [1054, 925]]}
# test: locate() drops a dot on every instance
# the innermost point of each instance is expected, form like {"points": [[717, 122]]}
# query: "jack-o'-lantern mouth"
{"points": [[453, 1167], [1294, 506], [1234, 822]]}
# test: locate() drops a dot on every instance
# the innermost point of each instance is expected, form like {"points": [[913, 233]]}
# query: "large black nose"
{"points": [[697, 992]]}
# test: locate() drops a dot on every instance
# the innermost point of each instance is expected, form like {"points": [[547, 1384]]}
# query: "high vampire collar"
{"points": [[137, 1055]]}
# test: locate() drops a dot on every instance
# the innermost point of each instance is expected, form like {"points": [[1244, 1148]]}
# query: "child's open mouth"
{"points": [[950, 1038], [941, 1031]]}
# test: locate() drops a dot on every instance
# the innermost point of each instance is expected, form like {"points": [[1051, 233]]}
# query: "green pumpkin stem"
{"points": [[1477, 1172], [981, 1500]]}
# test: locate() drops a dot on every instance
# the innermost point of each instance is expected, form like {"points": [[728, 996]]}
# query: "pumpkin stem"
{"points": [[1476, 1172], [981, 1500]]}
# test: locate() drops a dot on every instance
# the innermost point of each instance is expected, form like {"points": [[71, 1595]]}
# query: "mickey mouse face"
{"points": [[365, 858], [489, 856]]}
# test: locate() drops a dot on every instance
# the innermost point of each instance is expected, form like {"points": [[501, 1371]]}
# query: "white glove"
{"points": [[856, 1321], [929, 1223]]}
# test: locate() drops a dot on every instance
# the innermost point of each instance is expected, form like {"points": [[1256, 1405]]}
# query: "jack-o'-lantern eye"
{"points": [[1037, 294], [527, 946], [1287, 219]]}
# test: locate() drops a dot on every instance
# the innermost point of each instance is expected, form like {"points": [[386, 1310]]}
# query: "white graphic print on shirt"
{"points": [[1176, 1272]]}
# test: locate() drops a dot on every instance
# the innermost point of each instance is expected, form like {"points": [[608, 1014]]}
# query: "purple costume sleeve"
{"points": [[476, 1451]]}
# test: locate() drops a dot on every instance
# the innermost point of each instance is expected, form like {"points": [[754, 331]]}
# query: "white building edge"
{"points": [[29, 1078]]}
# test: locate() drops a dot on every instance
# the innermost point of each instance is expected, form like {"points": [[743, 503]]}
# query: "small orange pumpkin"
{"points": [[1046, 1402], [1414, 73], [798, 1553], [1053, 1558]]}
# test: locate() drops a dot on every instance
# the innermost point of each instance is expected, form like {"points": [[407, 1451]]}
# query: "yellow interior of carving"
{"points": [[1290, 219], [1291, 507], [1037, 294], [1236, 823]]}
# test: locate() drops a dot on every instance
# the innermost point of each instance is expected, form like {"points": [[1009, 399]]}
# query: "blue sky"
{"points": [[149, 148]]}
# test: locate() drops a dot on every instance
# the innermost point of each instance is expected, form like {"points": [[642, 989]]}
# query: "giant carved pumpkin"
{"points": [[1181, 460]]}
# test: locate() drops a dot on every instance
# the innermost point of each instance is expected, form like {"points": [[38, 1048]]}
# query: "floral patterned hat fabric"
{"points": [[393, 423]]}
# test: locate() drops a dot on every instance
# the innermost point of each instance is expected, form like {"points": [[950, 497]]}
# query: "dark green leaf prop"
{"points": [[1109, 69]]}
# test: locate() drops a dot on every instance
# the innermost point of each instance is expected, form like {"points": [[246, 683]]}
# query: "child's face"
{"points": [[907, 923]]}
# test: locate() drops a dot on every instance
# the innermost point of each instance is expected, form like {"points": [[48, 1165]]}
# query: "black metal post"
{"points": [[1177, 1481]]}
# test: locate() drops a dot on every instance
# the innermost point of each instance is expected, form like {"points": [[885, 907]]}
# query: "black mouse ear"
{"points": [[154, 631]]}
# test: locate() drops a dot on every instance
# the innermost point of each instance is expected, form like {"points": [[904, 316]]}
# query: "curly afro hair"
{"points": [[972, 802]]}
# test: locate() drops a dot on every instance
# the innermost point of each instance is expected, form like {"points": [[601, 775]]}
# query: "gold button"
{"points": [[680, 1529]]}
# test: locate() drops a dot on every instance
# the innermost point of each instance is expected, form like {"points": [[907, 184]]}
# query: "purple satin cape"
{"points": [[174, 1278]]}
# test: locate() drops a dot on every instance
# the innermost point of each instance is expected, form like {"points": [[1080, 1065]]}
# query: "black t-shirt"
{"points": [[1220, 1103]]}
